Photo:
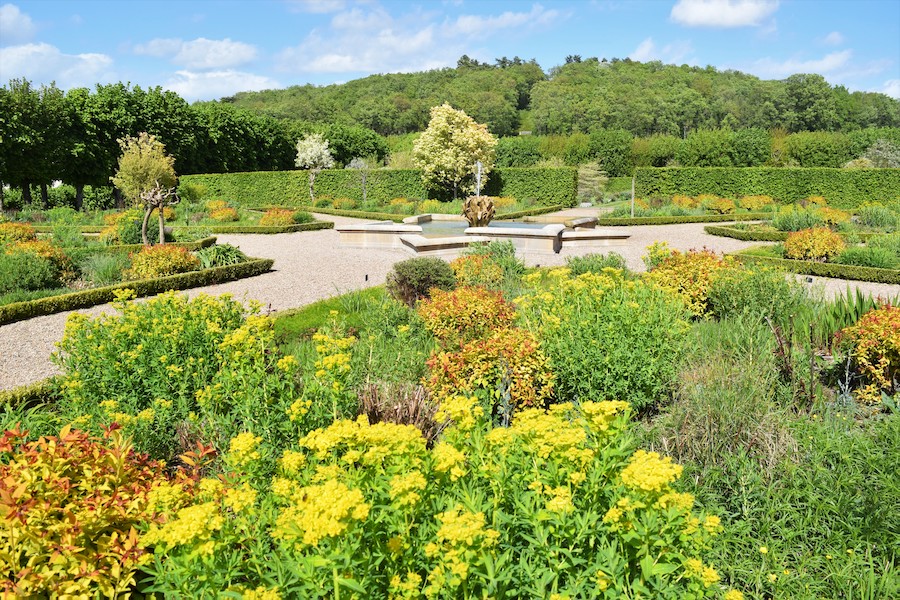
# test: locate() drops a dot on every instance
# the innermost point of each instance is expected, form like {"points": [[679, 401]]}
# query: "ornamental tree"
{"points": [[448, 149], [313, 154], [146, 176]]}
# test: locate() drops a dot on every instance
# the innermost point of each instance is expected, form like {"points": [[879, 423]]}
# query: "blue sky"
{"points": [[208, 49]]}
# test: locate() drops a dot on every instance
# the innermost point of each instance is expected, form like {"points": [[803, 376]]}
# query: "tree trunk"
{"points": [[162, 225], [364, 186], [26, 194], [45, 203], [120, 200], [144, 238], [1, 196], [455, 185], [312, 183], [79, 196]]}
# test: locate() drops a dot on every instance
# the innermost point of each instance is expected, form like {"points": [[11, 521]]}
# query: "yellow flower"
{"points": [[405, 489], [773, 577], [192, 523], [712, 524], [734, 595], [238, 499], [242, 449], [649, 472], [261, 593], [447, 459], [561, 501], [319, 512], [763, 550]]}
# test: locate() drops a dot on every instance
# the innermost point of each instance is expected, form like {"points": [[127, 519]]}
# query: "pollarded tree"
{"points": [[313, 154], [146, 176], [447, 151]]}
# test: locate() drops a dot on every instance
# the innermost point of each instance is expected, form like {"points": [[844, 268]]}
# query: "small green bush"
{"points": [[876, 215], [159, 261], [220, 256], [868, 256], [26, 271], [595, 263], [411, 280], [104, 268], [795, 219], [754, 294], [889, 242]]}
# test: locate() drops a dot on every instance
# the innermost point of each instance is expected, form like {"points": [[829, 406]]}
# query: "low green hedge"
{"points": [[761, 236], [356, 214], [805, 267], [19, 311], [620, 221], [45, 391], [195, 245], [843, 188], [531, 212], [81, 228], [269, 229]]}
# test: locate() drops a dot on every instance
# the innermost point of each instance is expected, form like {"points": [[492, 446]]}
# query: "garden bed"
{"points": [[19, 311], [820, 269], [675, 220], [763, 235]]}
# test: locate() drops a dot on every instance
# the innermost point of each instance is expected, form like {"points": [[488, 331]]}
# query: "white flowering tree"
{"points": [[313, 154], [447, 151]]}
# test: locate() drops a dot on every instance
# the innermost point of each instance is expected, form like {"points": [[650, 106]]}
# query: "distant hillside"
{"points": [[582, 95]]}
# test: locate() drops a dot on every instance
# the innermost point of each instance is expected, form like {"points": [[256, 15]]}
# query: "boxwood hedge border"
{"points": [[43, 391], [760, 236], [313, 226], [19, 311], [838, 271], [380, 216], [625, 221]]}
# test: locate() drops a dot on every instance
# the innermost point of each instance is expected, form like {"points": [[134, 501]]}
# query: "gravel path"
{"points": [[310, 266]]}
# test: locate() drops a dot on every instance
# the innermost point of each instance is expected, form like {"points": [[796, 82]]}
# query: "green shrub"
{"points": [[889, 242], [793, 218], [518, 151], [219, 255], [595, 263], [606, 338], [502, 253], [867, 256], [68, 236], [706, 148], [818, 149], [878, 216], [128, 228], [612, 148], [655, 151], [817, 243], [16, 232], [301, 217], [411, 280], [26, 271], [157, 362], [104, 268], [161, 260], [753, 294]]}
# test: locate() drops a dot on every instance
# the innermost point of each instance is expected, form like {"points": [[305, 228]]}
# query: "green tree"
{"points": [[146, 176], [448, 150]]}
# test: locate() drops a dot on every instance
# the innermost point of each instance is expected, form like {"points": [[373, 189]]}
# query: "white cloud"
{"points": [[674, 53], [478, 25], [892, 88], [644, 52], [43, 62], [316, 6], [722, 13], [372, 40], [210, 85], [833, 39], [15, 26], [201, 53], [829, 63]]}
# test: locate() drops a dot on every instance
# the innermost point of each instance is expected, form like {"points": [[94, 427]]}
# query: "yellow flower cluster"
{"points": [[165, 497], [560, 500], [405, 488], [291, 462], [407, 587], [261, 593], [238, 499], [461, 536], [318, 512], [682, 502], [649, 472], [298, 408], [242, 450], [375, 444], [695, 568], [464, 411], [448, 459], [545, 434], [600, 415], [191, 523]]}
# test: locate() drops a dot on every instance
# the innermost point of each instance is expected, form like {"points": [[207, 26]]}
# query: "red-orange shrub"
{"points": [[464, 314]]}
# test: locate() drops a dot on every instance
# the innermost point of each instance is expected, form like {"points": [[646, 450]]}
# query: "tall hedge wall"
{"points": [[844, 188], [291, 188]]}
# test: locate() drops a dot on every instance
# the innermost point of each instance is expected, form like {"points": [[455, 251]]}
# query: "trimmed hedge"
{"points": [[291, 188], [531, 212], [271, 229], [19, 311], [624, 221], [195, 245], [806, 267], [44, 391], [81, 228], [843, 188], [357, 214], [761, 236]]}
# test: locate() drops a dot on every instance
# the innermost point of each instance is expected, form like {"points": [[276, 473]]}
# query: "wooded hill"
{"points": [[581, 96]]}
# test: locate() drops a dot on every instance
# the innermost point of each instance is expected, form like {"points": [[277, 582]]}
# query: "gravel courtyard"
{"points": [[310, 266]]}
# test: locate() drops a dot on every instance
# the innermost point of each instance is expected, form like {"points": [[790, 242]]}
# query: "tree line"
{"points": [[47, 134], [582, 95]]}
